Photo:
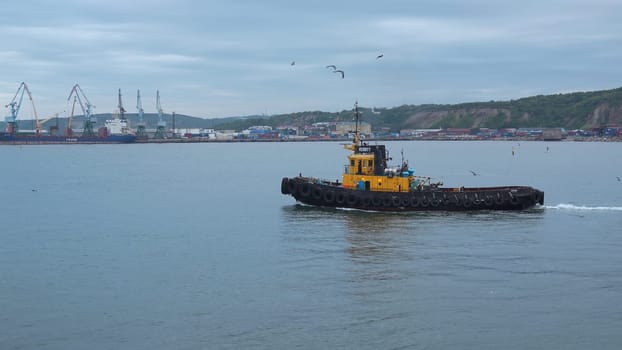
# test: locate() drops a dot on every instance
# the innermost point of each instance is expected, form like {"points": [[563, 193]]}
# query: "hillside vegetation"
{"points": [[579, 110]]}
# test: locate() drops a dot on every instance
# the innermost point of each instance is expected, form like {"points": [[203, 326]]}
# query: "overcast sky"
{"points": [[234, 57]]}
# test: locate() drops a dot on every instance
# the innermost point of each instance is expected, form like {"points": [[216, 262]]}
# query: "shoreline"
{"points": [[383, 139], [161, 141], [375, 139]]}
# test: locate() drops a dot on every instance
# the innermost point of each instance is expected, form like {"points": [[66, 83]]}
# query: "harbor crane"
{"points": [[141, 132], [161, 130], [121, 109], [15, 105], [87, 109], [69, 128]]}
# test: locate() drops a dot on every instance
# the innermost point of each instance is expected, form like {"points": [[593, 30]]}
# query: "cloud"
{"points": [[429, 30], [151, 61], [234, 55]]}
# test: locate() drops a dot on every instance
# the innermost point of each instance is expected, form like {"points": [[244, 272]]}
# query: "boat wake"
{"points": [[565, 206]]}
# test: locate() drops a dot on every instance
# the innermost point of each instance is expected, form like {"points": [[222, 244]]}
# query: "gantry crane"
{"points": [[141, 132], [89, 119], [15, 105], [161, 130]]}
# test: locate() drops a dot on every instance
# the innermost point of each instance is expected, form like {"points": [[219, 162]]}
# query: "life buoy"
{"points": [[467, 202], [340, 198], [352, 199], [514, 200], [284, 186], [387, 201], [499, 199], [457, 200], [304, 190], [489, 201], [329, 197], [414, 202], [317, 193], [404, 202], [376, 201], [434, 202], [446, 200], [424, 201], [366, 201], [396, 201], [292, 186]]}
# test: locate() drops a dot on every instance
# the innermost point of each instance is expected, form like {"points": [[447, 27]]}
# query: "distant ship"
{"points": [[370, 184], [114, 131]]}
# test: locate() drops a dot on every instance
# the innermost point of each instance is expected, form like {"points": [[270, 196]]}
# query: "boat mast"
{"points": [[356, 129], [354, 147]]}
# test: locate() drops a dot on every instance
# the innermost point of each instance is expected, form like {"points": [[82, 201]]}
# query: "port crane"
{"points": [[161, 130], [69, 128], [121, 109], [89, 119], [15, 105], [141, 132]]}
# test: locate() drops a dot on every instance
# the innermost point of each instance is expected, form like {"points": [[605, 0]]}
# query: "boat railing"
{"points": [[319, 181]]}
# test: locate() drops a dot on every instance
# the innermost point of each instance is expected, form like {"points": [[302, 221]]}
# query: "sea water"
{"points": [[190, 246]]}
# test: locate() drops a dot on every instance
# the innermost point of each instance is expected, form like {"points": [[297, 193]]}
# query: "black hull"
{"points": [[6, 138], [313, 192]]}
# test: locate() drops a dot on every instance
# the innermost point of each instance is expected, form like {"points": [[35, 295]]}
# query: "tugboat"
{"points": [[368, 183]]}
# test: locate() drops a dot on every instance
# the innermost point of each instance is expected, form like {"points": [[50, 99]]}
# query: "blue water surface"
{"points": [[186, 246]]}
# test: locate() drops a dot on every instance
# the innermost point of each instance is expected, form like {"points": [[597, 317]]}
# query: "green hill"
{"points": [[579, 110]]}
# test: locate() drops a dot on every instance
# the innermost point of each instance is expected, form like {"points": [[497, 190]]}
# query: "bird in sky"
{"points": [[332, 66], [339, 71], [618, 178], [293, 63], [380, 56], [474, 173]]}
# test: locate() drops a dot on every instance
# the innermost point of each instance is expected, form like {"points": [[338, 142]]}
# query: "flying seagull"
{"points": [[380, 56], [618, 178], [293, 63], [340, 71], [332, 66], [474, 173]]}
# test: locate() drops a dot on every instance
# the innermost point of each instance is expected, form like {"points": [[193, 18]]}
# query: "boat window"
{"points": [[370, 163], [351, 162]]}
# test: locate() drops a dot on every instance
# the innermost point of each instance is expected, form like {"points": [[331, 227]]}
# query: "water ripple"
{"points": [[567, 206]]}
